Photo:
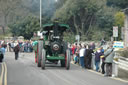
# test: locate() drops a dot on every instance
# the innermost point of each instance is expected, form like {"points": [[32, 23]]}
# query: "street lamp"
{"points": [[40, 13]]}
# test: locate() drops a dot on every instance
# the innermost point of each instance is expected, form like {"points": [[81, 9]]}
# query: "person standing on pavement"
{"points": [[2, 52], [103, 63], [93, 46], [12, 45], [73, 51], [102, 42], [9, 45], [109, 55], [16, 51], [81, 54], [88, 56], [85, 55], [97, 58], [77, 54]]}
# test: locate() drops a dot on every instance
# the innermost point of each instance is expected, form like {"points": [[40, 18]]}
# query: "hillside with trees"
{"points": [[92, 19]]}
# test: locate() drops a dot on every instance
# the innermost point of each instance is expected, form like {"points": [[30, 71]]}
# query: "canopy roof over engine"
{"points": [[48, 27]]}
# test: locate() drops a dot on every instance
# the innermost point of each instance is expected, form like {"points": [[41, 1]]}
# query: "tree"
{"points": [[119, 3], [80, 14], [26, 27], [6, 7], [85, 16], [119, 21]]}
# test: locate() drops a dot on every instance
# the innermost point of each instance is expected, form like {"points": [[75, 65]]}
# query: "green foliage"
{"points": [[119, 19], [119, 3], [92, 18], [2, 37], [85, 15], [79, 14], [105, 17], [25, 27], [96, 34], [69, 37]]}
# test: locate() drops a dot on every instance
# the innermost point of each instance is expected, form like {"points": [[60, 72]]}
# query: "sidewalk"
{"points": [[122, 75]]}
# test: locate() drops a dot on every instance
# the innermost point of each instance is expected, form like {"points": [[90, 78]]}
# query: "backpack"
{"points": [[16, 49]]}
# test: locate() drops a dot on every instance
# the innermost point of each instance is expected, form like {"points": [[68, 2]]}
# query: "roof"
{"points": [[63, 27]]}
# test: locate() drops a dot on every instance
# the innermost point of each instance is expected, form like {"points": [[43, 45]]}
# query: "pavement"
{"points": [[24, 71]]}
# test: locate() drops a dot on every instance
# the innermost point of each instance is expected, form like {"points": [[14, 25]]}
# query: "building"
{"points": [[126, 28]]}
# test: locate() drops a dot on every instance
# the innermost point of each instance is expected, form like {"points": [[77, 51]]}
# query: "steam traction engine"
{"points": [[52, 48]]}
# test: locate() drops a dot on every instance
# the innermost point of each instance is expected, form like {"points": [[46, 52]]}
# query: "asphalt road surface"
{"points": [[24, 71]]}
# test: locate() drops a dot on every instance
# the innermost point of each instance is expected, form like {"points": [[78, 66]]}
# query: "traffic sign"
{"points": [[77, 37], [118, 44], [115, 31]]}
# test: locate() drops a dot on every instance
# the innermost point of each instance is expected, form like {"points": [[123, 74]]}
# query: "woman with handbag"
{"points": [[109, 55]]}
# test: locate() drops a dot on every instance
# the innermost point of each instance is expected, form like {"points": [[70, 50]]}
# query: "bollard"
{"points": [[115, 65], [115, 69]]}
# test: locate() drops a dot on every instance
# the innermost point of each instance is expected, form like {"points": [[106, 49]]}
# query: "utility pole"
{"points": [[40, 13]]}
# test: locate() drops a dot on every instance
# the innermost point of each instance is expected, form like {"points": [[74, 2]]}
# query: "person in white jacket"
{"points": [[81, 54]]}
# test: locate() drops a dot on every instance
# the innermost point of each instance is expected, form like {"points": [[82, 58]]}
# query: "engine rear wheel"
{"points": [[43, 59], [65, 47], [40, 47], [67, 59]]}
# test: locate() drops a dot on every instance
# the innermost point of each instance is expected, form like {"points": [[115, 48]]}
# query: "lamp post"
{"points": [[40, 13]]}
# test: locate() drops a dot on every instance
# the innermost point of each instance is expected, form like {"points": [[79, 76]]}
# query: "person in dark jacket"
{"points": [[16, 50], [103, 63], [97, 58], [93, 46], [88, 57], [1, 55], [2, 52]]}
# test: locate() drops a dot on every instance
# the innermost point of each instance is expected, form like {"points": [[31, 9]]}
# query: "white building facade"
{"points": [[126, 28]]}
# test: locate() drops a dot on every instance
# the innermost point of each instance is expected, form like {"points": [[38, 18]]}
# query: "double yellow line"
{"points": [[3, 76]]}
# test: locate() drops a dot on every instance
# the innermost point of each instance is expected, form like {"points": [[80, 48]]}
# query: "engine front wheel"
{"points": [[40, 47], [43, 59], [67, 59]]}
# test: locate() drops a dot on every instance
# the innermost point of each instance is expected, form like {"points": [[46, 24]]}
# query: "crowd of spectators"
{"points": [[25, 46], [14, 46], [84, 54]]}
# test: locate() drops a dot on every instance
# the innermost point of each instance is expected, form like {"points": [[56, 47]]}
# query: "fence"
{"points": [[121, 63]]}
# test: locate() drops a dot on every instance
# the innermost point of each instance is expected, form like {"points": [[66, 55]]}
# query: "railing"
{"points": [[121, 63]]}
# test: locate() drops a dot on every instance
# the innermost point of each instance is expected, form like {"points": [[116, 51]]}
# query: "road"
{"points": [[24, 71]]}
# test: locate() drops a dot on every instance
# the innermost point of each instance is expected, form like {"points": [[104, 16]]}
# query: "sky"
{"points": [[56, 0]]}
